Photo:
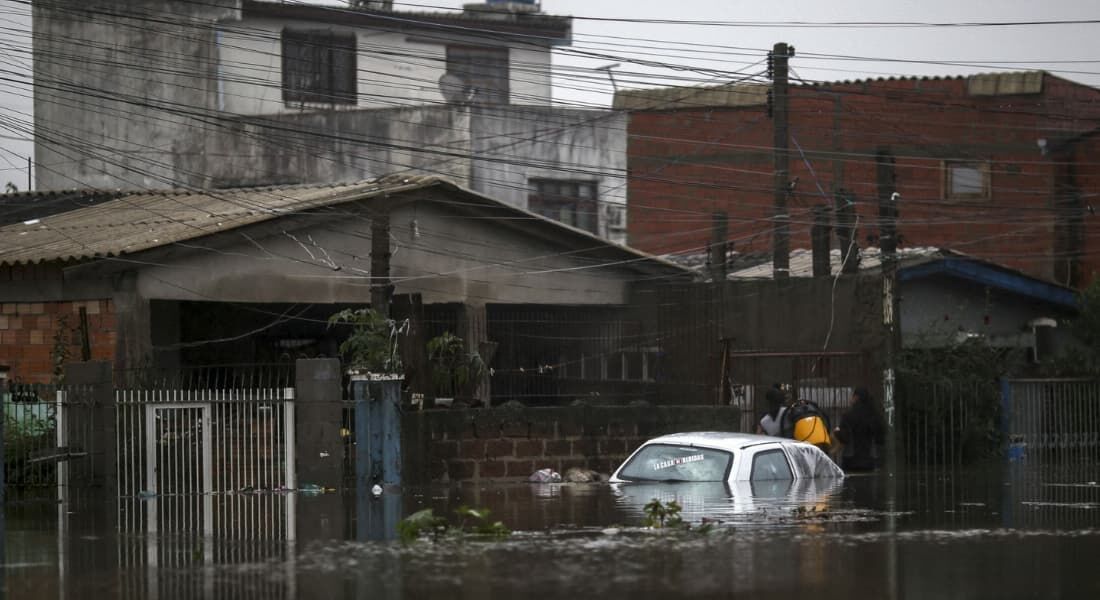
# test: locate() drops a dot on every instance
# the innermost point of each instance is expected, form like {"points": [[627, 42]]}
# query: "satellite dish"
{"points": [[455, 89]]}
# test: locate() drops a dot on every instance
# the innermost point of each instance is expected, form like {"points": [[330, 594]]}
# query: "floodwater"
{"points": [[1004, 531]]}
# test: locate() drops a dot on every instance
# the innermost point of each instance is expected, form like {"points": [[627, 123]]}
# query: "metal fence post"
{"points": [[1006, 409]]}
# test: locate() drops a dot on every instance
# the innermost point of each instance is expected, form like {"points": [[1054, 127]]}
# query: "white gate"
{"points": [[199, 461]]}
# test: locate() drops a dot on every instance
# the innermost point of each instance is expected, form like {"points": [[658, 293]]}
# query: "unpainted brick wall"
{"points": [[687, 164], [30, 332], [510, 444]]}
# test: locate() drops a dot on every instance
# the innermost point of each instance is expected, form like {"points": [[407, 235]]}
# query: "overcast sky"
{"points": [[1019, 47]]}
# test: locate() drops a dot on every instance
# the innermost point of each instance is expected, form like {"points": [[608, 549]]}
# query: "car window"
{"points": [[668, 462], [770, 464]]}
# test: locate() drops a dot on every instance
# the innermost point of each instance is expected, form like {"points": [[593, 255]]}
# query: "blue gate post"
{"points": [[377, 455]]}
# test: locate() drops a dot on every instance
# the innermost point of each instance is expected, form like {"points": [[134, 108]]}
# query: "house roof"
{"points": [[18, 207], [552, 29], [755, 94], [137, 221], [919, 262]]}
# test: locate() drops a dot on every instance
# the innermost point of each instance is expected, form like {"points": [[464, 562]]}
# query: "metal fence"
{"points": [[1052, 418], [50, 433], [824, 378], [199, 465], [30, 433], [180, 448], [209, 377], [943, 422]]}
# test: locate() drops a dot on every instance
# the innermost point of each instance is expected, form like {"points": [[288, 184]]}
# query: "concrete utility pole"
{"points": [[781, 53], [886, 179], [718, 246], [380, 289]]}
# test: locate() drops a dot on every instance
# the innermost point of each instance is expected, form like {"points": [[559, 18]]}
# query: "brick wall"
{"points": [[28, 331], [510, 444], [687, 164]]}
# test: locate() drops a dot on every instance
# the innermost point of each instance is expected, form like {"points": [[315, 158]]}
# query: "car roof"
{"points": [[723, 440]]}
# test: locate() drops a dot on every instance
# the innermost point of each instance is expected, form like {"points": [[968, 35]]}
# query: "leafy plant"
{"points": [[478, 521], [373, 343], [1083, 360], [455, 372], [421, 522], [934, 386], [659, 515], [471, 521]]}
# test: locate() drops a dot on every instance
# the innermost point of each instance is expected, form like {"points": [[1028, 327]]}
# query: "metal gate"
{"points": [[202, 465], [1052, 418], [184, 452]]}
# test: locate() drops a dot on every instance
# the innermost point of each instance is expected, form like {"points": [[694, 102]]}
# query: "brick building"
{"points": [[997, 166]]}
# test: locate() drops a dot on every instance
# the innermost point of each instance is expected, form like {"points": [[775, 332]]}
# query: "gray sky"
{"points": [[1021, 47]]}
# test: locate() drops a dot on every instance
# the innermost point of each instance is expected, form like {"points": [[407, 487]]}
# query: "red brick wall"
{"points": [[510, 444], [27, 332], [1087, 180], [686, 164]]}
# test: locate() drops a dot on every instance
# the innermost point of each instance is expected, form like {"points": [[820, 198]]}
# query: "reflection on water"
{"points": [[1019, 532]]}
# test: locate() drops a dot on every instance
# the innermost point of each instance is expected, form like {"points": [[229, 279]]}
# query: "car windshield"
{"points": [[668, 462]]}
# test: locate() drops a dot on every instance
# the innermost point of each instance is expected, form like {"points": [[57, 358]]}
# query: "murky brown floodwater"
{"points": [[1018, 531]]}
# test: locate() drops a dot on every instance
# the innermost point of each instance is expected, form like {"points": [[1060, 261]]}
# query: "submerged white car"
{"points": [[726, 457]]}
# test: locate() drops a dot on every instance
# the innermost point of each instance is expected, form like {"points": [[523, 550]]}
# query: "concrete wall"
{"points": [[798, 315], [936, 310], [503, 443], [117, 97], [495, 151], [513, 146], [335, 146], [438, 251], [394, 68]]}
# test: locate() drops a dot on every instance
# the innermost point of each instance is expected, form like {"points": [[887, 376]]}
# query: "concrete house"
{"points": [[947, 297], [995, 166], [160, 94], [174, 279]]}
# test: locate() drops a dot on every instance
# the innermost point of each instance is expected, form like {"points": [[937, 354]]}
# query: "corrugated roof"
{"points": [[802, 261], [913, 260], [755, 94], [137, 221]]}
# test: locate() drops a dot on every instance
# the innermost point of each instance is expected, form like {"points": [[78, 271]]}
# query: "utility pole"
{"points": [[380, 289], [886, 179], [777, 62], [718, 246]]}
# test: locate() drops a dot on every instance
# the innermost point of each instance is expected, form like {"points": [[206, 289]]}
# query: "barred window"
{"points": [[319, 67], [484, 71], [571, 202]]}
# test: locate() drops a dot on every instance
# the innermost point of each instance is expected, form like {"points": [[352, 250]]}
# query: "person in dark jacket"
{"points": [[862, 432], [770, 422]]}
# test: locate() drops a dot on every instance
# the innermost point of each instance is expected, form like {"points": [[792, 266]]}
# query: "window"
{"points": [[966, 180], [571, 202], [770, 465], [665, 462], [484, 71], [319, 67]]}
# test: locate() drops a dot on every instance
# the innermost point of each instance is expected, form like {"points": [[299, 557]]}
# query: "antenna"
{"points": [[610, 75]]}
